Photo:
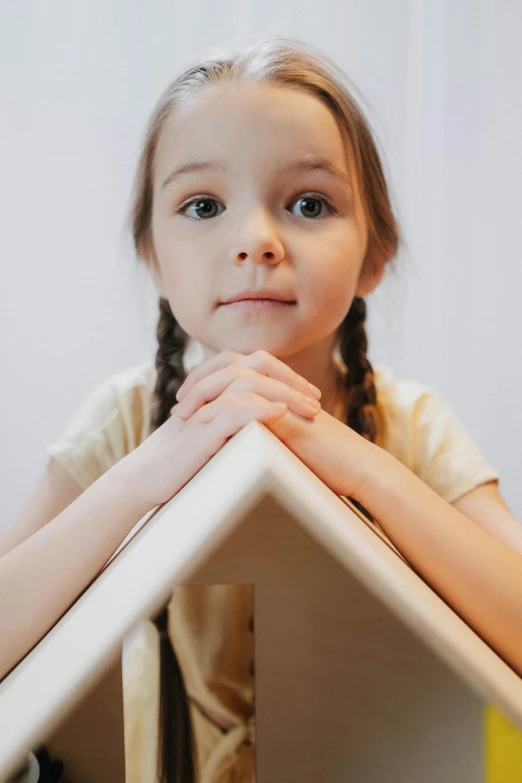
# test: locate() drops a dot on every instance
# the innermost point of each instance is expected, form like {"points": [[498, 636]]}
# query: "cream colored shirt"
{"points": [[210, 626]]}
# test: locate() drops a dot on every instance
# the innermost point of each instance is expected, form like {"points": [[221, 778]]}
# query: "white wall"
{"points": [[77, 82]]}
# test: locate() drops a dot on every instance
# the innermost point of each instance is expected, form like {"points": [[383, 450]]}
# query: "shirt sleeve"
{"points": [[444, 455], [93, 440]]}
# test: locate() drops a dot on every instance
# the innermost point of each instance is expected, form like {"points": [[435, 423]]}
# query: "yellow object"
{"points": [[503, 748]]}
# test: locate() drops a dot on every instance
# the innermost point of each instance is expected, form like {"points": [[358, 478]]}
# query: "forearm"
{"points": [[43, 576], [478, 575]]}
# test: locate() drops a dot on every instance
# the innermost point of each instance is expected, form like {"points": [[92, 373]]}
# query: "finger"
{"points": [[260, 361], [226, 424], [224, 428], [209, 388], [266, 364], [234, 379], [229, 417], [214, 363]]}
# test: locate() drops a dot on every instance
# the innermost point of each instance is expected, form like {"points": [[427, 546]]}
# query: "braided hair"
{"points": [[359, 383], [176, 750], [172, 341], [176, 756]]}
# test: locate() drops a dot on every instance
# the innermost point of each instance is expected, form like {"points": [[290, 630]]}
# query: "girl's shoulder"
{"points": [[400, 401], [113, 419], [419, 428], [397, 393]]}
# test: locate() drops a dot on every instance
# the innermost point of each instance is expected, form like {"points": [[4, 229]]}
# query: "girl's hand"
{"points": [[340, 457], [176, 451], [261, 373]]}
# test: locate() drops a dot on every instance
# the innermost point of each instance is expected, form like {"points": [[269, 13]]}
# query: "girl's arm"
{"points": [[42, 576], [473, 560], [54, 492], [485, 506]]}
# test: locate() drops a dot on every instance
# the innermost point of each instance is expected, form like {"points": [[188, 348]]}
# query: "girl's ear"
{"points": [[371, 274], [157, 279], [149, 256]]}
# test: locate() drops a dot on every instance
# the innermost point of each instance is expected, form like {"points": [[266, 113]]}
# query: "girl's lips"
{"points": [[258, 304], [261, 293]]}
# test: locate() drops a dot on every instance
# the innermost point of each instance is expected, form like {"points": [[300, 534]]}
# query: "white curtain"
{"points": [[442, 82]]}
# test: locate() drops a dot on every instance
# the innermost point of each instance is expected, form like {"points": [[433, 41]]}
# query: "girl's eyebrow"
{"points": [[314, 163]]}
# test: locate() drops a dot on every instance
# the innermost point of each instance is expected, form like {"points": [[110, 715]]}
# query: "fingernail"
{"points": [[314, 390], [313, 405]]}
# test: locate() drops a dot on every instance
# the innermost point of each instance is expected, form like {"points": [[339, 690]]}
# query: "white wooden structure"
{"points": [[363, 673]]}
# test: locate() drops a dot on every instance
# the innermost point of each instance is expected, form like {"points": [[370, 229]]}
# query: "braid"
{"points": [[176, 747], [176, 750], [172, 341], [359, 379]]}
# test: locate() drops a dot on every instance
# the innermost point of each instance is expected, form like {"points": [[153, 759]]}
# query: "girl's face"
{"points": [[254, 191]]}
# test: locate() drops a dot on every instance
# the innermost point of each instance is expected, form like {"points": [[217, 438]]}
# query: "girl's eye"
{"points": [[310, 206], [203, 207]]}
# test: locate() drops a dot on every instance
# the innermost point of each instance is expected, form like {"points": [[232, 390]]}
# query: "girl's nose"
{"points": [[259, 256], [259, 243]]}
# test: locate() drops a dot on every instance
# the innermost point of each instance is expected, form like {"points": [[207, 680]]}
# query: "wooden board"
{"points": [[89, 741], [179, 539]]}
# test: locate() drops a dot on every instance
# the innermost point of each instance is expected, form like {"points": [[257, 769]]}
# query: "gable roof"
{"points": [[160, 552]]}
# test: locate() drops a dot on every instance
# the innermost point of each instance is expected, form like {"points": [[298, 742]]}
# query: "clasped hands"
{"points": [[332, 450]]}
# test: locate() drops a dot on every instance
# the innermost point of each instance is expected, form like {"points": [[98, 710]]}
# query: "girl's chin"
{"points": [[247, 343]]}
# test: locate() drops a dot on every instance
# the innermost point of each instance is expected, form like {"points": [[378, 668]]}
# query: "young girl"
{"points": [[262, 213]]}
